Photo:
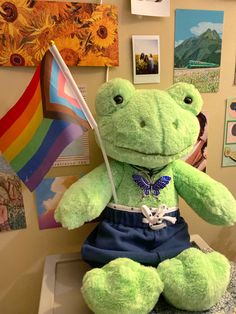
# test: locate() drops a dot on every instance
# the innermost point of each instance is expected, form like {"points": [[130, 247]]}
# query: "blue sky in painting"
{"points": [[191, 23], [43, 192]]}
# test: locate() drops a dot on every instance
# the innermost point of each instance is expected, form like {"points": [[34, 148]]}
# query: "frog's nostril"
{"points": [[142, 123], [176, 124]]}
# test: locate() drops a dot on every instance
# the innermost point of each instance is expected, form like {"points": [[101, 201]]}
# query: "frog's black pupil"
{"points": [[188, 100], [118, 99]]}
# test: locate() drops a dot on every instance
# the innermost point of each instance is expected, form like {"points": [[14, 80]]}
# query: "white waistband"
{"points": [[154, 217], [139, 209]]}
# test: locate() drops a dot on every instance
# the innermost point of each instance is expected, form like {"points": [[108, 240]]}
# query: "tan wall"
{"points": [[23, 251]]}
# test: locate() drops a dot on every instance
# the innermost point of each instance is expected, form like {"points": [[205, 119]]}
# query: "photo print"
{"points": [[151, 7], [229, 147], [197, 54], [146, 59]]}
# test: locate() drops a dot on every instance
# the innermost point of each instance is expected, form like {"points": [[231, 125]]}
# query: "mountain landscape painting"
{"points": [[198, 42]]}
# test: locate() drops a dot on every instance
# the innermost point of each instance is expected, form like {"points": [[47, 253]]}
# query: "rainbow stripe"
{"points": [[42, 123]]}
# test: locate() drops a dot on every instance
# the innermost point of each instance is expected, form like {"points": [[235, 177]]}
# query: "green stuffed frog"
{"points": [[141, 246]]}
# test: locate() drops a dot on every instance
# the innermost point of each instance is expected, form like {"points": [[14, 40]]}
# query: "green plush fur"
{"points": [[122, 286], [81, 204], [194, 281], [139, 139], [151, 129], [210, 199]]}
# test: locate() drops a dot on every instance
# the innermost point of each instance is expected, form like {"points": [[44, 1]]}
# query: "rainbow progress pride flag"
{"points": [[46, 119]]}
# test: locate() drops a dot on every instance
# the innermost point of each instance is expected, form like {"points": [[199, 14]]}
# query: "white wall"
{"points": [[23, 251]]}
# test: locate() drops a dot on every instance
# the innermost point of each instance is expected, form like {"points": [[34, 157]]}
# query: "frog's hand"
{"points": [[86, 198], [210, 199]]}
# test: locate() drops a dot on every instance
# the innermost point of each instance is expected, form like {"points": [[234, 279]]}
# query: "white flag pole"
{"points": [[107, 74], [71, 81], [53, 49]]}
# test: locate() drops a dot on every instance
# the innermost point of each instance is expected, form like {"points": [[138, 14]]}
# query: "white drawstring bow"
{"points": [[155, 216]]}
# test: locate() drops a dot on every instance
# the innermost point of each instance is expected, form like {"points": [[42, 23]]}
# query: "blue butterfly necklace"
{"points": [[146, 183]]}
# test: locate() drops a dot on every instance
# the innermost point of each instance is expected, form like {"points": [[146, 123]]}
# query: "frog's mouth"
{"points": [[134, 156], [130, 150]]}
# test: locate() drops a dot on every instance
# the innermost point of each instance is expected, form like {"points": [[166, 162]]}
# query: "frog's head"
{"points": [[148, 128]]}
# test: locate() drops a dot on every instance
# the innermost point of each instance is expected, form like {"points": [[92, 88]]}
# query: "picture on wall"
{"points": [[146, 59], [197, 54], [151, 7], [198, 156], [12, 212], [48, 195], [229, 147], [86, 34], [235, 74], [76, 153]]}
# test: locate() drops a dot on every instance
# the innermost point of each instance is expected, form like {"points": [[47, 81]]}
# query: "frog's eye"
{"points": [[118, 99], [186, 96], [113, 96], [188, 100]]}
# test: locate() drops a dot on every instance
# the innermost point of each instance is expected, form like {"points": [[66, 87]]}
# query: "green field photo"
{"points": [[205, 80], [146, 64]]}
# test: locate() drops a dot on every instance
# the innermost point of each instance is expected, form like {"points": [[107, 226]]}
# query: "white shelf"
{"points": [[62, 280]]}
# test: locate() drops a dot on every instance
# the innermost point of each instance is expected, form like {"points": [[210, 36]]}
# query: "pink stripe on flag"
{"points": [[61, 91], [71, 133]]}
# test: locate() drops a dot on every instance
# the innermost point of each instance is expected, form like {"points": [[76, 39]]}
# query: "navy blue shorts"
{"points": [[123, 234]]}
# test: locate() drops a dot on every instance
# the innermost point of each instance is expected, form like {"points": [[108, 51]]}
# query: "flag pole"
{"points": [[53, 49]]}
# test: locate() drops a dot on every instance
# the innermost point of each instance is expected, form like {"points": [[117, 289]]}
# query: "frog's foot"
{"points": [[193, 280], [122, 286]]}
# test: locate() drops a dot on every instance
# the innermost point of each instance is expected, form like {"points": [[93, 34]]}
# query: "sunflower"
{"points": [[103, 33], [69, 49], [13, 54], [39, 33], [81, 11], [95, 59], [106, 12], [13, 16], [112, 52], [1, 48], [58, 11], [65, 28]]}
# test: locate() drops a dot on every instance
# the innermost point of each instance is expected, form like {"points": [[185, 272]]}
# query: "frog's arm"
{"points": [[208, 198], [86, 198]]}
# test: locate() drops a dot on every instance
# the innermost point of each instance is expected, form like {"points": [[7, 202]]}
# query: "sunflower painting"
{"points": [[85, 34]]}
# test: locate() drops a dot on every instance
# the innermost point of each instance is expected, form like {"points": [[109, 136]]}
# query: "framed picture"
{"points": [[197, 54], [86, 34], [12, 211], [146, 59], [229, 146], [151, 7], [235, 74]]}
